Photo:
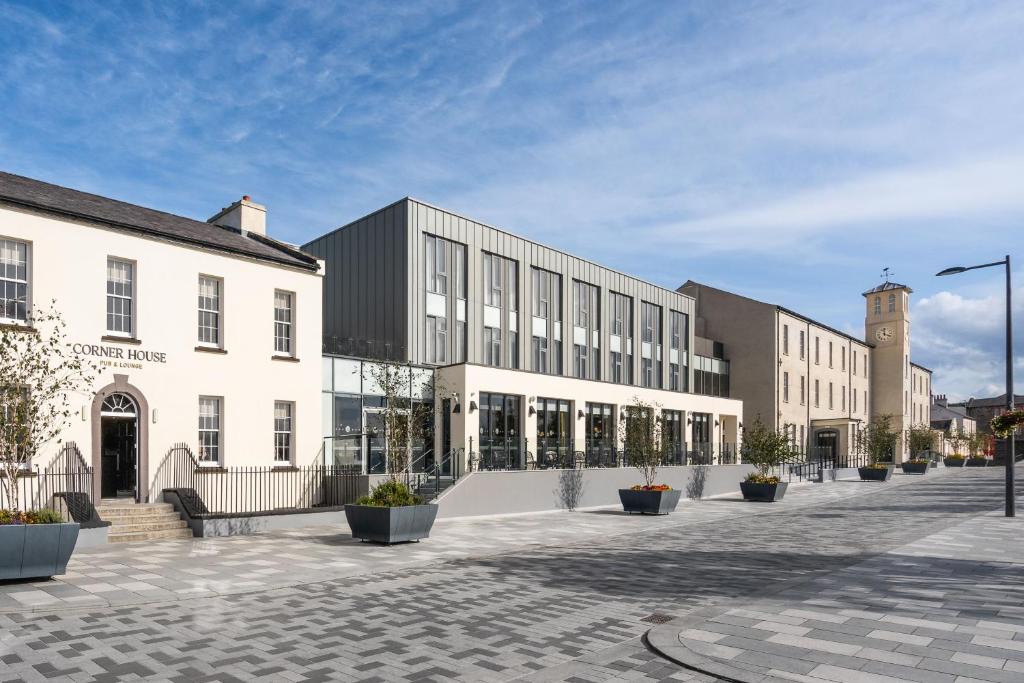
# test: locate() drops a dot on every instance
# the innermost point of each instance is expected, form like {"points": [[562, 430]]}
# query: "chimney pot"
{"points": [[246, 198], [245, 216]]}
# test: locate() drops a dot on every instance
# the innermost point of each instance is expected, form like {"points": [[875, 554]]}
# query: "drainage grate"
{"points": [[658, 618]]}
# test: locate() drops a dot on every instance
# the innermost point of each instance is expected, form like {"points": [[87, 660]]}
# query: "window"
{"points": [[830, 354], [842, 358], [547, 322], [802, 345], [803, 388], [831, 403], [878, 305], [460, 302], [501, 281], [282, 432], [650, 348], [439, 254], [437, 265], [492, 346], [853, 399], [865, 400], [120, 297], [853, 360], [209, 430], [785, 387], [892, 303], [842, 398], [283, 323], [586, 332], [209, 311], [620, 341], [785, 339], [817, 350], [816, 393], [679, 343], [801, 444], [437, 339], [13, 281]]}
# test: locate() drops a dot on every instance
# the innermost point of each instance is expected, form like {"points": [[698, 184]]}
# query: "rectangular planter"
{"points": [[32, 551], [763, 493], [914, 468], [977, 463], [953, 462], [390, 525], [874, 473], [649, 502]]}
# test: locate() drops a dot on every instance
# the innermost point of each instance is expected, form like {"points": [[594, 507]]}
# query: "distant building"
{"points": [[982, 410]]}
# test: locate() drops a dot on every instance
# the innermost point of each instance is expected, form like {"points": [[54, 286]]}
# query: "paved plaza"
{"points": [[914, 580]]}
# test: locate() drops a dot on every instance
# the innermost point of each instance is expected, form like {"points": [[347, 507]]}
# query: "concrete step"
{"points": [[130, 536], [118, 506], [149, 514], [160, 525]]}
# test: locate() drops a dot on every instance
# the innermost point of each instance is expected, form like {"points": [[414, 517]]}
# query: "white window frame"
{"points": [[16, 281], [284, 438], [216, 313], [288, 325], [217, 431], [133, 316]]}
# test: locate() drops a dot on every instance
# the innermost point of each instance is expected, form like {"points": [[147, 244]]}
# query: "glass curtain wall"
{"points": [[700, 438], [500, 433], [600, 426], [672, 435], [554, 433]]}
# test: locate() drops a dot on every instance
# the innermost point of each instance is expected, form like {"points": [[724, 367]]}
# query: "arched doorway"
{"points": [[119, 441]]}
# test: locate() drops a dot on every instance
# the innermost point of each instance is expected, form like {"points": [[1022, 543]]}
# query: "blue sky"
{"points": [[787, 151]]}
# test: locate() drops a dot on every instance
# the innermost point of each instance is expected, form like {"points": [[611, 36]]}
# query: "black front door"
{"points": [[826, 444], [119, 462]]}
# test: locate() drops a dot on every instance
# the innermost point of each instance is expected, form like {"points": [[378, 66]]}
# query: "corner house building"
{"points": [[207, 333], [535, 353]]}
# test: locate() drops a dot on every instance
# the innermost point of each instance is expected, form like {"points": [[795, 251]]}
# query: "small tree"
{"points": [[878, 440], [958, 438], [977, 442], [38, 376], [405, 421], [920, 439], [641, 434], [765, 448]]}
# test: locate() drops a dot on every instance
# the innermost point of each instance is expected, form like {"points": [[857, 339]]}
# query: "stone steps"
{"points": [[117, 536], [142, 521]]}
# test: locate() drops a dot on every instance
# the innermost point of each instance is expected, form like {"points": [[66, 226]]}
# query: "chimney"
{"points": [[244, 215], [940, 400]]}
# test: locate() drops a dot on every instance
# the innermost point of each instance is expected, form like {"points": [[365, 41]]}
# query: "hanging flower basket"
{"points": [[1006, 424]]}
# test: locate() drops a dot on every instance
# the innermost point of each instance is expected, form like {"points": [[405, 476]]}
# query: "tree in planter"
{"points": [[765, 449], [920, 439], [958, 438], [977, 442], [878, 440], [641, 434], [38, 376]]}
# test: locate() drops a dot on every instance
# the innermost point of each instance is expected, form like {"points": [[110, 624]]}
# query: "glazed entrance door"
{"points": [[119, 455]]}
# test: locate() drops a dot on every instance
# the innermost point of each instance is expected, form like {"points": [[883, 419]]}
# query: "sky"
{"points": [[785, 151]]}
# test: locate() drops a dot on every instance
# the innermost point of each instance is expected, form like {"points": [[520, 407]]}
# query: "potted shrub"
{"points": [[644, 446], [391, 513], [954, 460], [877, 440], [920, 443], [765, 449], [977, 461], [35, 544], [976, 444]]}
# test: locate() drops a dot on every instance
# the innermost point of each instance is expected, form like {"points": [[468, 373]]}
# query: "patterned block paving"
{"points": [[572, 610]]}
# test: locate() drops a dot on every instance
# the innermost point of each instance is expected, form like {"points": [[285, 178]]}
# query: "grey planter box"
{"points": [[874, 473], [763, 493], [979, 462], [915, 468], [649, 502], [32, 551], [390, 525], [953, 462]]}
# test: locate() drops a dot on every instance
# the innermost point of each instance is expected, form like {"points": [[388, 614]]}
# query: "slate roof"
{"points": [[62, 201], [886, 286]]}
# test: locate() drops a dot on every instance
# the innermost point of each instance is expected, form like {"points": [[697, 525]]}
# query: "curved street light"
{"points": [[1010, 455]]}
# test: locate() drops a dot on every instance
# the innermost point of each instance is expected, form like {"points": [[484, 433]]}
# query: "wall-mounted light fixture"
{"points": [[156, 415], [457, 408], [579, 414], [689, 420], [532, 411], [472, 406], [741, 425], [622, 415], [716, 423]]}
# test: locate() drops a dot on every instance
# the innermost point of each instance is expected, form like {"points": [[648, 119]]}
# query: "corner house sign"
{"points": [[119, 357]]}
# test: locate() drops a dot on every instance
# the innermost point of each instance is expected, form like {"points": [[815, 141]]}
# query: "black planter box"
{"points": [[649, 502], [32, 551], [390, 525], [915, 468], [763, 493], [981, 462], [953, 462], [874, 473]]}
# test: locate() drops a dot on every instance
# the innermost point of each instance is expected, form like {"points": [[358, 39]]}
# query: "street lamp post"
{"points": [[1010, 456]]}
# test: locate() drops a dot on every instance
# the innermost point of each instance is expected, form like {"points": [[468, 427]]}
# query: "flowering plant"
{"points": [[651, 487], [756, 478], [877, 466], [1006, 424], [918, 461], [43, 516], [955, 456]]}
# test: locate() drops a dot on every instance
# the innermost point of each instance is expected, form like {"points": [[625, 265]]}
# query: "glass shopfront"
{"points": [[672, 435], [554, 433], [600, 426], [500, 432]]}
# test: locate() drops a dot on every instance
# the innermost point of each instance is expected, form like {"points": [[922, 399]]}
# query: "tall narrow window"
{"points": [[830, 355], [620, 341], [586, 331], [120, 297], [817, 350], [842, 358], [892, 303], [817, 393], [831, 403], [500, 282], [678, 363], [13, 281], [209, 430], [547, 322], [878, 305], [650, 348], [803, 389], [785, 387], [842, 398], [284, 323], [282, 432], [439, 255], [460, 302], [785, 340], [209, 311], [803, 345]]}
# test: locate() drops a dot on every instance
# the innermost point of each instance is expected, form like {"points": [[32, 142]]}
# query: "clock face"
{"points": [[884, 334]]}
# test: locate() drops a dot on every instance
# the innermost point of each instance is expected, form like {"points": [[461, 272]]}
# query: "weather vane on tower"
{"points": [[886, 272]]}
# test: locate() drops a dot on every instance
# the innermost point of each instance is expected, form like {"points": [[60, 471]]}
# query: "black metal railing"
{"points": [[598, 456], [438, 476], [254, 489], [66, 476]]}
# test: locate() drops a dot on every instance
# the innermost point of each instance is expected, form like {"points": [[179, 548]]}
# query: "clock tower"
{"points": [[887, 327]]}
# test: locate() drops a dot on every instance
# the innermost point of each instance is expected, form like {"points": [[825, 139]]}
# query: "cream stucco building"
{"points": [[206, 333]]}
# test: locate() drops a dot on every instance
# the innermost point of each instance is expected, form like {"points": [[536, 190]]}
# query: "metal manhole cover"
{"points": [[658, 618]]}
